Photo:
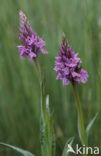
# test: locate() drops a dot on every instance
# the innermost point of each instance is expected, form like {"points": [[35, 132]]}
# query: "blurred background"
{"points": [[19, 86]]}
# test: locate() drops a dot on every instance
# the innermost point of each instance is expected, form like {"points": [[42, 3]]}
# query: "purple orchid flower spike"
{"points": [[32, 43], [68, 65]]}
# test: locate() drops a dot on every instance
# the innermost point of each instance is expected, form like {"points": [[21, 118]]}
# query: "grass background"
{"points": [[19, 87]]}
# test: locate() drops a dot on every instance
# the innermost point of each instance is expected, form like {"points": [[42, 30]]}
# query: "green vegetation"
{"points": [[19, 86]]}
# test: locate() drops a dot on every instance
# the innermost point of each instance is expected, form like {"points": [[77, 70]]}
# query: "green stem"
{"points": [[80, 116], [45, 151], [40, 77]]}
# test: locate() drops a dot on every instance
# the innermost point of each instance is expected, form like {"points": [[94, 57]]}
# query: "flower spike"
{"points": [[68, 65], [32, 43]]}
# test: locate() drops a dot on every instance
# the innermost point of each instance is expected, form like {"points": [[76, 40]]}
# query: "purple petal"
{"points": [[74, 74], [44, 51], [84, 76], [59, 76], [65, 81], [32, 55]]}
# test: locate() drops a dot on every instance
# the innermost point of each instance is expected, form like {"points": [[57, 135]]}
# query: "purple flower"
{"points": [[32, 43], [68, 65]]}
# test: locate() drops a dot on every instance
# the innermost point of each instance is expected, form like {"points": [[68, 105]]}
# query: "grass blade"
{"points": [[19, 150], [91, 124]]}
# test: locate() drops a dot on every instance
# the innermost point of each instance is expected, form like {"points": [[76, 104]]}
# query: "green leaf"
{"points": [[47, 105], [91, 124], [79, 131], [69, 142], [19, 150], [47, 136]]}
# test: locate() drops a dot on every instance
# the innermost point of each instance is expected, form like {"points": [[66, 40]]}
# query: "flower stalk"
{"points": [[40, 76], [46, 129], [81, 126]]}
